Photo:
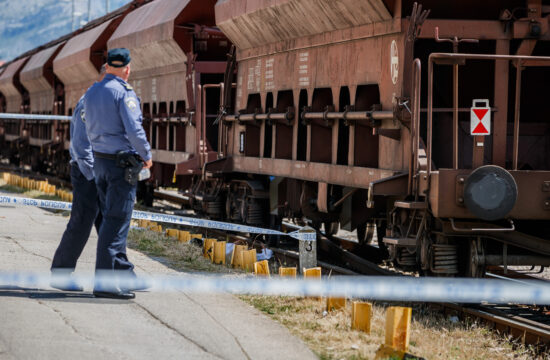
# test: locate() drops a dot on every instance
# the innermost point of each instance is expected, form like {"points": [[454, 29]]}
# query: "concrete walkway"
{"points": [[51, 324]]}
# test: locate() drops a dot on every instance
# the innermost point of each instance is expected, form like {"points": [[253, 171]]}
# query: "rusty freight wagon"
{"points": [[364, 113], [178, 62]]}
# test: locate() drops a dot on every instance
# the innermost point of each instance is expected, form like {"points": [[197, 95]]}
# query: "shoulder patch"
{"points": [[82, 115], [131, 102], [128, 86]]}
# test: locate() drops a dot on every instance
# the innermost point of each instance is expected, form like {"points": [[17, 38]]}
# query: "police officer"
{"points": [[113, 123], [85, 207]]}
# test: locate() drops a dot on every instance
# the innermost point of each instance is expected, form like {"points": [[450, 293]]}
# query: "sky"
{"points": [[27, 24]]}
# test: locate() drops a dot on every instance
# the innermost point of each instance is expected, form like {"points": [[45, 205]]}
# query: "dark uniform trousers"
{"points": [[85, 212], [116, 201]]}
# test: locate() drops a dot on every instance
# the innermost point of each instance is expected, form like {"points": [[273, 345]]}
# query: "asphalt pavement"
{"points": [[52, 324]]}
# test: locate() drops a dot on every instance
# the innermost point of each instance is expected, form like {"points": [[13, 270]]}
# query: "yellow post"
{"points": [[142, 223], [152, 225], [157, 228], [172, 233], [287, 271], [261, 268], [184, 236], [249, 258], [208, 248], [312, 272], [398, 326], [361, 315], [71, 197], [335, 303], [219, 252], [237, 256]]}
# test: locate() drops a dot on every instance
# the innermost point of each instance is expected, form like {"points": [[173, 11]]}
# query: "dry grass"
{"points": [[329, 335], [175, 254], [432, 336]]}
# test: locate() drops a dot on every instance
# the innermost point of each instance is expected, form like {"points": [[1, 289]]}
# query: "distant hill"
{"points": [[26, 24]]}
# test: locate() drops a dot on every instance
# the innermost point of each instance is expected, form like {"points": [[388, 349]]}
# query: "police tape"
{"points": [[33, 117], [304, 234], [402, 288]]}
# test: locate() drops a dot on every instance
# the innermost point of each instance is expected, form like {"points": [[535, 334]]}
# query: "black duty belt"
{"points": [[105, 156]]}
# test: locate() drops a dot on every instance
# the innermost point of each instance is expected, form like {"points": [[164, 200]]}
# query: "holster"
{"points": [[132, 165]]}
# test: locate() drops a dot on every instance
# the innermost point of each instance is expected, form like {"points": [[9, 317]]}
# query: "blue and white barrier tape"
{"points": [[304, 234], [33, 117], [409, 289]]}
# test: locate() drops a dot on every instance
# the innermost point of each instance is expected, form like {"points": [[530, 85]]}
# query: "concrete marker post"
{"points": [[307, 250]]}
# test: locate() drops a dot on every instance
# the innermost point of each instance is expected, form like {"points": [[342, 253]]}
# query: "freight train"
{"points": [[422, 123]]}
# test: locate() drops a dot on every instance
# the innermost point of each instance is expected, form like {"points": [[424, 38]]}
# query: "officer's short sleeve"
{"points": [[130, 113]]}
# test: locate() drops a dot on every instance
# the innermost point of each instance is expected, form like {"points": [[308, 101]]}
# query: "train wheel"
{"points": [[331, 228], [476, 259], [380, 233], [365, 232]]}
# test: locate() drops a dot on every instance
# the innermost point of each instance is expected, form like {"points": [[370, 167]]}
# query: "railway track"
{"points": [[338, 256]]}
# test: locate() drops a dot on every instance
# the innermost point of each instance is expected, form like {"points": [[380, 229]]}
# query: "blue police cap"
{"points": [[118, 57]]}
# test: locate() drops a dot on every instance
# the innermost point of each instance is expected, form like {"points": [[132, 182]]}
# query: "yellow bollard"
{"points": [[151, 225], [237, 256], [261, 268], [249, 258], [361, 315], [335, 303], [157, 228], [287, 271], [143, 223], [398, 326], [172, 233], [219, 252], [208, 248], [312, 272], [184, 236]]}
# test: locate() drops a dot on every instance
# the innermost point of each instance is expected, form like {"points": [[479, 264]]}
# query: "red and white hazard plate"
{"points": [[480, 117]]}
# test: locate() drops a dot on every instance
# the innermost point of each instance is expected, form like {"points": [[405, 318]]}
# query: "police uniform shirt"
{"points": [[81, 149], [113, 118]]}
